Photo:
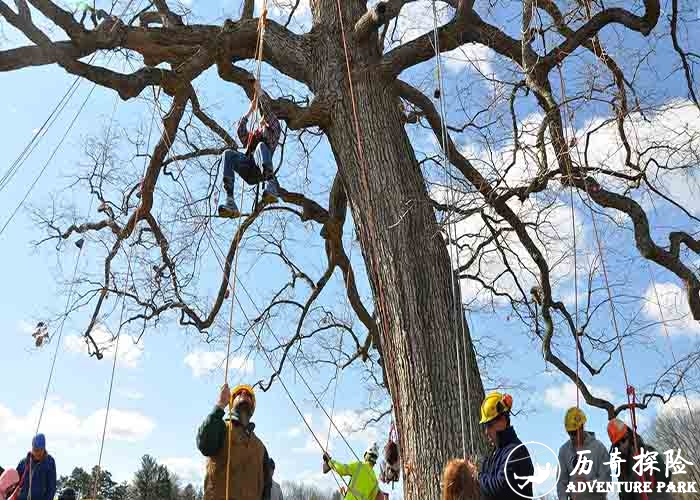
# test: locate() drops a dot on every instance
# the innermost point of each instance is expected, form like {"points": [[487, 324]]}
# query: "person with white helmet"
{"points": [[363, 484], [585, 443]]}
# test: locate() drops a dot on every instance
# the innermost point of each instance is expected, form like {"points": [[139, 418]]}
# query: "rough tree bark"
{"points": [[402, 243], [411, 282]]}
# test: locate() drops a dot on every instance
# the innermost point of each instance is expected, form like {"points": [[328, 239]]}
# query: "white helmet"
{"points": [[373, 451]]}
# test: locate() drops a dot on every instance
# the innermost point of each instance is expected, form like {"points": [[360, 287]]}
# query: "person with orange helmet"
{"points": [[233, 449], [623, 441], [509, 456]]}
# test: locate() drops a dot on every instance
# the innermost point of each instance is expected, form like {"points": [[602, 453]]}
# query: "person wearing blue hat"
{"points": [[38, 472]]}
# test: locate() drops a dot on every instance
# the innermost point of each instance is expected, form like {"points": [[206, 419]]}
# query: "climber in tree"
{"points": [[264, 138]]}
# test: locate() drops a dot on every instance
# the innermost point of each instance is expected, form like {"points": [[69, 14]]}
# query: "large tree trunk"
{"points": [[407, 262]]}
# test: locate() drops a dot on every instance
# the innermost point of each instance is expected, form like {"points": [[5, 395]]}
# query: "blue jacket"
{"points": [[43, 478], [492, 476]]}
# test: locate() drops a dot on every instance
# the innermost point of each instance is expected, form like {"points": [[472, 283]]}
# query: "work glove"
{"points": [[224, 397], [326, 457]]}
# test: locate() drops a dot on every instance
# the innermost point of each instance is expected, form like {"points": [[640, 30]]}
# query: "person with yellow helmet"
{"points": [[497, 477], [581, 442], [249, 466]]}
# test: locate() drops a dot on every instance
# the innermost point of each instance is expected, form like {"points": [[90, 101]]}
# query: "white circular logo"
{"points": [[546, 473]]}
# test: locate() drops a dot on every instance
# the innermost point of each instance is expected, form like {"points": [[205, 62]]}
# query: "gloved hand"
{"points": [[326, 457], [224, 397]]}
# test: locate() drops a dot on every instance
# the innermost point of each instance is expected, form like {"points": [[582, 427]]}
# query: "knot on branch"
{"points": [[110, 31], [371, 20], [167, 20]]}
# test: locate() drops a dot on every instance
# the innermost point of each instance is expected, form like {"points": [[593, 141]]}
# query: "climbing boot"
{"points": [[272, 191], [229, 209]]}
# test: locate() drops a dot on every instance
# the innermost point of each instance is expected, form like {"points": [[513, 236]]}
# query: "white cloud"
{"points": [[298, 430], [563, 396], [204, 362], [674, 310], [473, 57], [416, 19], [131, 394], [671, 136], [349, 423], [122, 425], [280, 10], [25, 327], [62, 422], [130, 353], [189, 470], [554, 237], [678, 404]]}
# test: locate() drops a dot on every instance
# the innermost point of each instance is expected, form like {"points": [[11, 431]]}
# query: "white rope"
{"points": [[451, 226]]}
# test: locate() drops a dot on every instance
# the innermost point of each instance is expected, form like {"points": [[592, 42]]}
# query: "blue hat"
{"points": [[39, 442]]}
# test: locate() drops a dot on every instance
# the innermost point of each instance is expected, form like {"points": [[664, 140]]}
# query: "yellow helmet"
{"points": [[574, 419], [494, 405], [243, 388]]}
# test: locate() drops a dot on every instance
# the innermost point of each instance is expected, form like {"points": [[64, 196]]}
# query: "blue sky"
{"points": [[166, 385]]}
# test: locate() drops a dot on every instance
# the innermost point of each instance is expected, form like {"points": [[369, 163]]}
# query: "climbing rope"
{"points": [[383, 312], [258, 56], [111, 380], [577, 339], [47, 163], [451, 243], [40, 133], [670, 345], [60, 335], [209, 234], [335, 389], [34, 142], [121, 318], [629, 389]]}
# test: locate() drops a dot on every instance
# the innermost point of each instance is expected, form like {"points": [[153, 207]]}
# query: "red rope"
{"points": [[363, 178]]}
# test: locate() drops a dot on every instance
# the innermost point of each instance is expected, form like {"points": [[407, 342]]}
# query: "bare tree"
{"points": [[301, 491], [511, 197], [675, 429]]}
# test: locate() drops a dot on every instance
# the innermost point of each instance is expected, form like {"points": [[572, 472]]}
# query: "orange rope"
{"points": [[364, 179], [258, 57]]}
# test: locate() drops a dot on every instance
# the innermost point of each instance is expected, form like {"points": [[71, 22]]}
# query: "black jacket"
{"points": [[627, 474], [492, 476]]}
